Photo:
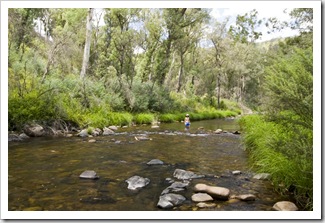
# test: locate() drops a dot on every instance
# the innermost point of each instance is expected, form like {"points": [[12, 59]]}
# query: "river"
{"points": [[44, 172]]}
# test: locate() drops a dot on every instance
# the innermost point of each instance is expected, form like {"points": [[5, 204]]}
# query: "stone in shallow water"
{"points": [[206, 205], [136, 182], [186, 175], [175, 187], [285, 206], [170, 200], [201, 197], [262, 176], [244, 197], [216, 192], [89, 174], [155, 162], [236, 172]]}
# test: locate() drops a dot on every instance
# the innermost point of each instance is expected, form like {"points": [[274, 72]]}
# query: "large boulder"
{"points": [[137, 182], [186, 175], [170, 200], [285, 206], [89, 174], [220, 193], [34, 130]]}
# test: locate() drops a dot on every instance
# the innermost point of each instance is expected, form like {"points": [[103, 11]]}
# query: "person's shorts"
{"points": [[187, 124]]}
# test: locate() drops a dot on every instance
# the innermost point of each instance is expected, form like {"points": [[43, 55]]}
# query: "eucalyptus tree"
{"points": [[121, 33], [85, 59], [246, 27], [218, 37]]}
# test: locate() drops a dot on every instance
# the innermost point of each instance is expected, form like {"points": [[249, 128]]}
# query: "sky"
{"points": [[263, 13]]}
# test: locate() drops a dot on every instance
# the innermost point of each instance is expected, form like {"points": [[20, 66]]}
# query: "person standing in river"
{"points": [[187, 122]]}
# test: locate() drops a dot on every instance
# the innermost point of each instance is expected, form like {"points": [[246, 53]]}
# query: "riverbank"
{"points": [[283, 151], [94, 123]]}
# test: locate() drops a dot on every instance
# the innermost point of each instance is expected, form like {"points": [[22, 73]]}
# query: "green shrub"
{"points": [[144, 118], [280, 151]]}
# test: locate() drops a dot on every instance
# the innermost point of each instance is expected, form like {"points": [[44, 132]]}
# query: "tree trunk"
{"points": [[180, 73], [218, 90], [87, 44]]}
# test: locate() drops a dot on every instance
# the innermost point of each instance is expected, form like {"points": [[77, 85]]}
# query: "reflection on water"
{"points": [[44, 172]]}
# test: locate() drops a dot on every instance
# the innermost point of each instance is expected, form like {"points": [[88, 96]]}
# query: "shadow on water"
{"points": [[44, 172]]}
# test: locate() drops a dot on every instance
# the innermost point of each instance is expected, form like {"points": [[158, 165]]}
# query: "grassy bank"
{"points": [[282, 152]]}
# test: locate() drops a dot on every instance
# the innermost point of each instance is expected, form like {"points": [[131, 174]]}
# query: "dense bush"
{"points": [[282, 152]]}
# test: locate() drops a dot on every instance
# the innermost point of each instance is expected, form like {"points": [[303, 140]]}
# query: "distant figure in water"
{"points": [[187, 122]]}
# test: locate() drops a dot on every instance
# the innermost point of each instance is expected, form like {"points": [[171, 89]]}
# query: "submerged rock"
{"points": [[186, 175], [220, 193], [244, 197], [89, 174], [155, 162], [136, 182], [285, 206], [142, 138], [170, 200], [206, 205]]}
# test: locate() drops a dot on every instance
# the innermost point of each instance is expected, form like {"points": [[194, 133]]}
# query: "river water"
{"points": [[44, 172]]}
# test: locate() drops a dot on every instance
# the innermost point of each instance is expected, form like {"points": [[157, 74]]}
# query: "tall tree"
{"points": [[87, 44]]}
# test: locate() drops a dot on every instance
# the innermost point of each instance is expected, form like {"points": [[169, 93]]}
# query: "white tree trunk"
{"points": [[87, 44]]}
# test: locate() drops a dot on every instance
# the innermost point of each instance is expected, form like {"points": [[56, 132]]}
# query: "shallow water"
{"points": [[44, 172]]}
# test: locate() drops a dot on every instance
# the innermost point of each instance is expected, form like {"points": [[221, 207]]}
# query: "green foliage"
{"points": [[144, 118], [289, 87], [34, 106], [284, 153]]}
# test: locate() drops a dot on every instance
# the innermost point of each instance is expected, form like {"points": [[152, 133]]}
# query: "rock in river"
{"points": [[107, 131], [34, 130], [262, 176], [175, 187], [216, 192], [170, 200], [285, 206], [83, 133], [185, 175], [155, 162], [244, 197], [89, 174], [201, 197], [136, 182]]}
